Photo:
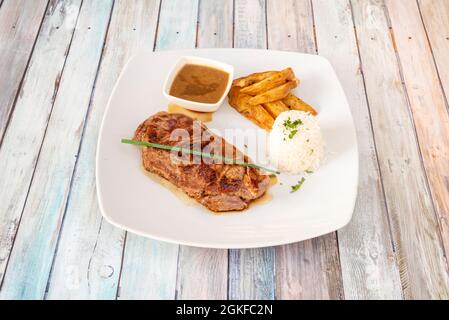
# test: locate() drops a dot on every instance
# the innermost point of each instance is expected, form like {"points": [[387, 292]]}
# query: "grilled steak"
{"points": [[218, 186]]}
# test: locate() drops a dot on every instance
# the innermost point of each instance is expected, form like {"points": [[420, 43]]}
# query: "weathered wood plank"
{"points": [[251, 271], [31, 258], [215, 24], [427, 103], [308, 269], [368, 265], [290, 26], [435, 14], [176, 30], [21, 143], [419, 253], [203, 273], [20, 21], [149, 269], [88, 259], [250, 24], [251, 274]]}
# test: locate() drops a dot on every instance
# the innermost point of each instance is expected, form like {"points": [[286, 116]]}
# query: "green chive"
{"points": [[197, 153], [298, 185], [292, 134]]}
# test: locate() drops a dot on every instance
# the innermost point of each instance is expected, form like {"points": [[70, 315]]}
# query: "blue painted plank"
{"points": [[203, 273], [89, 255], [30, 261], [176, 30], [251, 271]]}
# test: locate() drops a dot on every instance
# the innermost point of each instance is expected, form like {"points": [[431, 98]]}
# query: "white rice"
{"points": [[295, 152]]}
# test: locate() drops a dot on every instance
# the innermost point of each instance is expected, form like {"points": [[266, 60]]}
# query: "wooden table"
{"points": [[58, 63]]}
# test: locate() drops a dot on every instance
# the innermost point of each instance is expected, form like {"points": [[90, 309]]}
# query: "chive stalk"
{"points": [[197, 153]]}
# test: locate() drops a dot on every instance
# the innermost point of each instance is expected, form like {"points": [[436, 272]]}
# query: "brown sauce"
{"points": [[200, 116], [267, 196], [170, 186], [199, 83], [181, 195]]}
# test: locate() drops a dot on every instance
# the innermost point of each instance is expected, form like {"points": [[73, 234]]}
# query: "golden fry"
{"points": [[252, 78], [275, 108], [255, 113], [295, 103], [269, 83], [274, 94]]}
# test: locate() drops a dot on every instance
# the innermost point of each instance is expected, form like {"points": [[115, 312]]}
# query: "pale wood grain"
{"points": [[176, 30], [149, 269], [308, 269], [251, 274], [20, 21], [21, 143], [203, 273], [250, 24], [415, 230], [177, 25], [426, 101], [435, 14], [251, 271], [215, 24], [290, 25], [31, 258], [368, 265], [88, 260]]}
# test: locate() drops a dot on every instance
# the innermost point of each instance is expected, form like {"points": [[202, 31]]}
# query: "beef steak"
{"points": [[218, 186]]}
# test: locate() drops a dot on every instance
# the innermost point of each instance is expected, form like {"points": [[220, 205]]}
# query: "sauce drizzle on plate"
{"points": [[200, 116]]}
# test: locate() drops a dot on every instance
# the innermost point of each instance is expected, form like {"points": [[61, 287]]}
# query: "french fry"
{"points": [[252, 78], [295, 103], [269, 83], [275, 108], [255, 113], [274, 94]]}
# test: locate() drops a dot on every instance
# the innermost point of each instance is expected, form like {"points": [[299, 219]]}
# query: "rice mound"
{"points": [[295, 143]]}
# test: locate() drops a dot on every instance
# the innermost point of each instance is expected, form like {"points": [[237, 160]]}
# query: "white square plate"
{"points": [[132, 201]]}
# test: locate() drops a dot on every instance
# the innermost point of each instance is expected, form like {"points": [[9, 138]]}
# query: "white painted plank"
{"points": [[21, 143], [435, 14], [419, 253], [215, 25], [368, 265], [20, 21], [250, 29], [176, 30], [177, 24], [32, 255], [88, 260], [251, 271], [203, 273], [426, 101], [290, 25], [308, 269]]}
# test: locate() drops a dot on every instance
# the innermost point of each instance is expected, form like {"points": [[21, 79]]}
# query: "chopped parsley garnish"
{"points": [[292, 134], [291, 127], [298, 185]]}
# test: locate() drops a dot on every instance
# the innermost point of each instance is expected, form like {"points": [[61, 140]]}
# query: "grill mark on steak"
{"points": [[217, 186]]}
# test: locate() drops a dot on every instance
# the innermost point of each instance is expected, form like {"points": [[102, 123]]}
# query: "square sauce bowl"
{"points": [[194, 105]]}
